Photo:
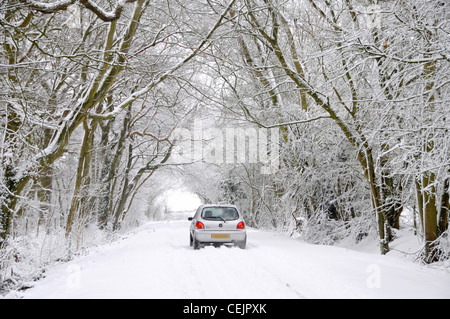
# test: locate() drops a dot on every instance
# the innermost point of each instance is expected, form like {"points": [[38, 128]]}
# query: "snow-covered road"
{"points": [[156, 261]]}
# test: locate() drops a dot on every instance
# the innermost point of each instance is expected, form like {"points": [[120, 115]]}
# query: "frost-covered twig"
{"points": [[101, 13], [46, 7]]}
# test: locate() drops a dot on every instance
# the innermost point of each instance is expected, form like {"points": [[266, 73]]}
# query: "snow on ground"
{"points": [[156, 261]]}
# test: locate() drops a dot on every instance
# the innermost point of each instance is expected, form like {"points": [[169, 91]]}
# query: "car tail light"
{"points": [[199, 225], [240, 225]]}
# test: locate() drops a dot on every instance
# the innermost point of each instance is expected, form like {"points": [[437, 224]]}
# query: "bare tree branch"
{"points": [[101, 13]]}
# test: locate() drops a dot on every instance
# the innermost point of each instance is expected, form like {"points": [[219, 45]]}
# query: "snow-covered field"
{"points": [[156, 261]]}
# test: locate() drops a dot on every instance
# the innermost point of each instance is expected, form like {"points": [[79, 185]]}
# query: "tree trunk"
{"points": [[392, 206], [445, 208], [9, 201], [106, 175], [82, 180], [126, 188], [426, 199], [377, 203], [111, 162], [12, 186]]}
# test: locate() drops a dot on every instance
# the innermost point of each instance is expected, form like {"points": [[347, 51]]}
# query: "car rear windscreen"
{"points": [[220, 213]]}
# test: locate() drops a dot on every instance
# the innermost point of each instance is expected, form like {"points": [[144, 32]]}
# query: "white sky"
{"points": [[181, 200]]}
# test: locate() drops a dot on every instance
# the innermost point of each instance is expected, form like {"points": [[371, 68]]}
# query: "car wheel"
{"points": [[191, 242], [242, 244], [196, 244]]}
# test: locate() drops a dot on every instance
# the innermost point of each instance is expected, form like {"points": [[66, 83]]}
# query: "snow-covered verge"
{"points": [[156, 261]]}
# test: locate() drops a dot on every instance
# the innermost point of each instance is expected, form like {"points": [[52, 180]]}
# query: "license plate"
{"points": [[221, 236]]}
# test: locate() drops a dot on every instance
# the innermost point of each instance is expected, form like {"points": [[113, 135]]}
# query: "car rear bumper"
{"points": [[210, 236]]}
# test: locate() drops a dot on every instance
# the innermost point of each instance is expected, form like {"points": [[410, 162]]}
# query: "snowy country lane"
{"points": [[156, 261]]}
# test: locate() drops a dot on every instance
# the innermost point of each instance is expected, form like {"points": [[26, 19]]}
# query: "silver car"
{"points": [[216, 225]]}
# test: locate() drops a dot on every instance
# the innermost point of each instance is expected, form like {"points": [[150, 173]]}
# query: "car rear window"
{"points": [[220, 213]]}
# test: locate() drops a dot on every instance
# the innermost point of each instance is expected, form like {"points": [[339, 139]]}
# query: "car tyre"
{"points": [[196, 244], [242, 244]]}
